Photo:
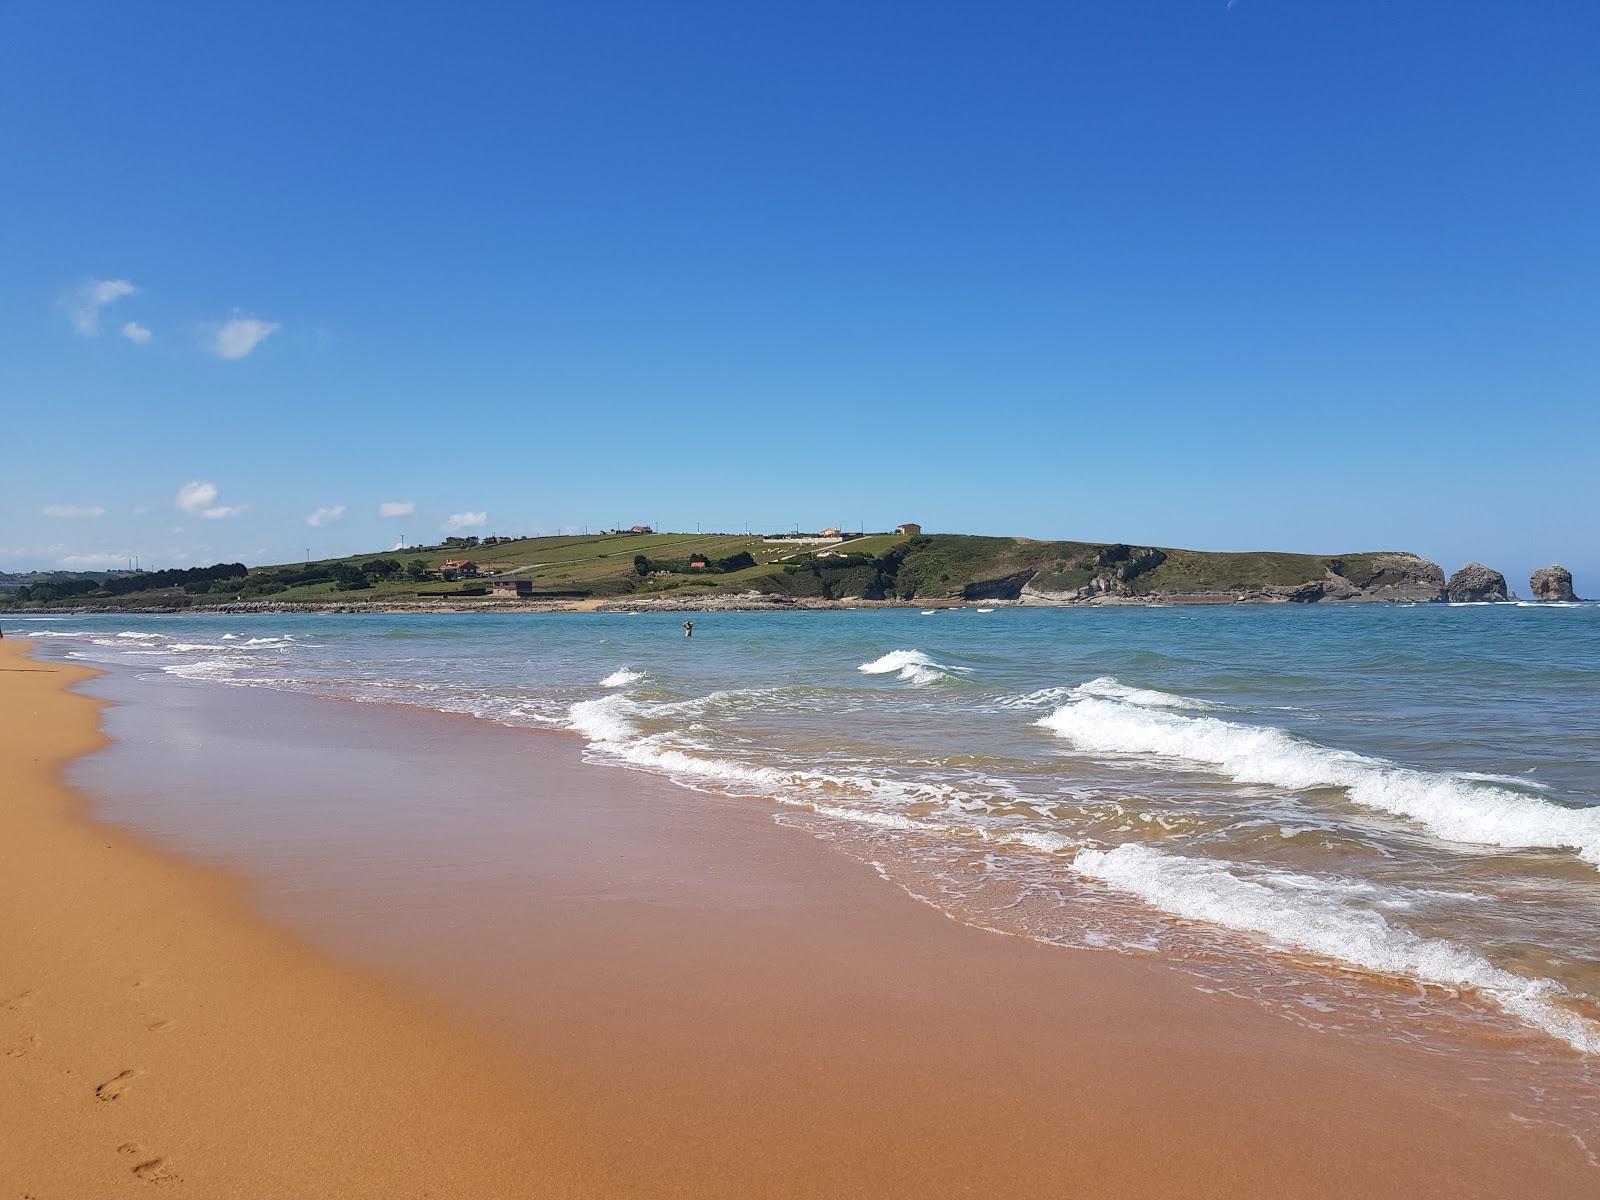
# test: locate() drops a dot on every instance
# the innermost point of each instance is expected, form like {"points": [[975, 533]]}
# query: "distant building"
{"points": [[459, 568], [831, 532], [461, 541], [641, 529], [909, 529], [511, 587], [492, 540], [697, 563]]}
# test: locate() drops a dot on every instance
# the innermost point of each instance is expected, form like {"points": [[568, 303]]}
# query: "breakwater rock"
{"points": [[1551, 583], [1475, 583]]}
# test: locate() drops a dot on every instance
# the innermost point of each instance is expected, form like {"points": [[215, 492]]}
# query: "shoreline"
{"points": [[745, 1011], [155, 1031], [742, 603]]}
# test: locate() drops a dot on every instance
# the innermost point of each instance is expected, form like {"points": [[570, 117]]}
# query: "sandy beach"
{"points": [[154, 1032], [423, 976]]}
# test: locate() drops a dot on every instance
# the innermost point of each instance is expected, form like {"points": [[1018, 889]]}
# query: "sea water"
{"points": [[1376, 820]]}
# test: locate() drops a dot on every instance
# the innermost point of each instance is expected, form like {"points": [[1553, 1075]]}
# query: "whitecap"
{"points": [[1296, 911], [913, 666], [622, 677], [1444, 804], [1109, 687]]}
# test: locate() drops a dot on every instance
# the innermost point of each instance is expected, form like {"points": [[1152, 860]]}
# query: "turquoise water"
{"points": [[1303, 806]]}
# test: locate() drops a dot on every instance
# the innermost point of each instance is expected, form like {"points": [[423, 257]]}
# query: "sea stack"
{"points": [[1551, 583], [1475, 582]]}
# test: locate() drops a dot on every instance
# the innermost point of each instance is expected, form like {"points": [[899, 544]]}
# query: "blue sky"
{"points": [[1228, 276]]}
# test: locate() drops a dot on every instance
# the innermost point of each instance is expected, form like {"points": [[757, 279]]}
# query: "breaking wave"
{"points": [[621, 677], [912, 666], [1289, 910], [1448, 806]]}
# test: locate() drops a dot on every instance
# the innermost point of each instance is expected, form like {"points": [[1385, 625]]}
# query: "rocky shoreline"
{"points": [[1411, 580]]}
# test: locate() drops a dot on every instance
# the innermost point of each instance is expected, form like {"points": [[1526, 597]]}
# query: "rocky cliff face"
{"points": [[1110, 577], [1475, 582], [1551, 583], [1135, 575]]}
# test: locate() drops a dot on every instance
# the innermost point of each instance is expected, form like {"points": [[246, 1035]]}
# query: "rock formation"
{"points": [[1551, 583], [1475, 582]]}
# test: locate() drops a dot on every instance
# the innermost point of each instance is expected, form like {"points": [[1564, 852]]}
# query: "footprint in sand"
{"points": [[112, 1089], [23, 1046], [159, 1026], [18, 1002], [150, 1168]]}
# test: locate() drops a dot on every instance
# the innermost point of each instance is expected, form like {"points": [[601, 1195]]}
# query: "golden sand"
{"points": [[684, 1001], [153, 1032]]}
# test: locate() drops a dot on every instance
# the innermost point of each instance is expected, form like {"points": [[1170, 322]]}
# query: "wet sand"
{"points": [[686, 999], [154, 1032]]}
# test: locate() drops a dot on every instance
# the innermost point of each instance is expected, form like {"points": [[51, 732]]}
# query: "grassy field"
{"points": [[880, 566]]}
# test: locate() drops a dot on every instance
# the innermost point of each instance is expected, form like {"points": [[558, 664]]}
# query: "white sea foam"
{"points": [[622, 678], [913, 666], [143, 637], [1296, 912], [1108, 687], [1446, 805], [1514, 780]]}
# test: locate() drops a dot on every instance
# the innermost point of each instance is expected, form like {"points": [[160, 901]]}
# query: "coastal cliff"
{"points": [[716, 570]]}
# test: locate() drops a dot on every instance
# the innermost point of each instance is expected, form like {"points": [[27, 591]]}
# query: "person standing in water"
{"points": [[688, 629]]}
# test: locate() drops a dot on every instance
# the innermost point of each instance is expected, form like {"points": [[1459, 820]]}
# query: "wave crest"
{"points": [[1447, 805], [1294, 911], [912, 666]]}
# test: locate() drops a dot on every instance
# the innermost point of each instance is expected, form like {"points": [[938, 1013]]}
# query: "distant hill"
{"points": [[876, 567]]}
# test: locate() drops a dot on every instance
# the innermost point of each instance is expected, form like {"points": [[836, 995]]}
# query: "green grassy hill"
{"points": [[615, 566]]}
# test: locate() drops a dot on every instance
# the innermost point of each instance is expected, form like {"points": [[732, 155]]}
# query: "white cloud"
{"points": [[467, 520], [396, 508], [136, 332], [84, 303], [325, 516], [239, 335], [200, 497], [195, 495], [74, 510]]}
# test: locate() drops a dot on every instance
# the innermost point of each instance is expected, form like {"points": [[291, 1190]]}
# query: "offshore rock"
{"points": [[1551, 583], [1475, 583]]}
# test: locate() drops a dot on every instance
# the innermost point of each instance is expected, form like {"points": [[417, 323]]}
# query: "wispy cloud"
{"points": [[325, 516], [239, 335], [200, 497], [466, 520], [396, 508], [195, 495], [84, 303], [136, 332], [74, 510]]}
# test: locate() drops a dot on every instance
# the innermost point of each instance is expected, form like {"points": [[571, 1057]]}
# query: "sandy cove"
{"points": [[674, 998]]}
